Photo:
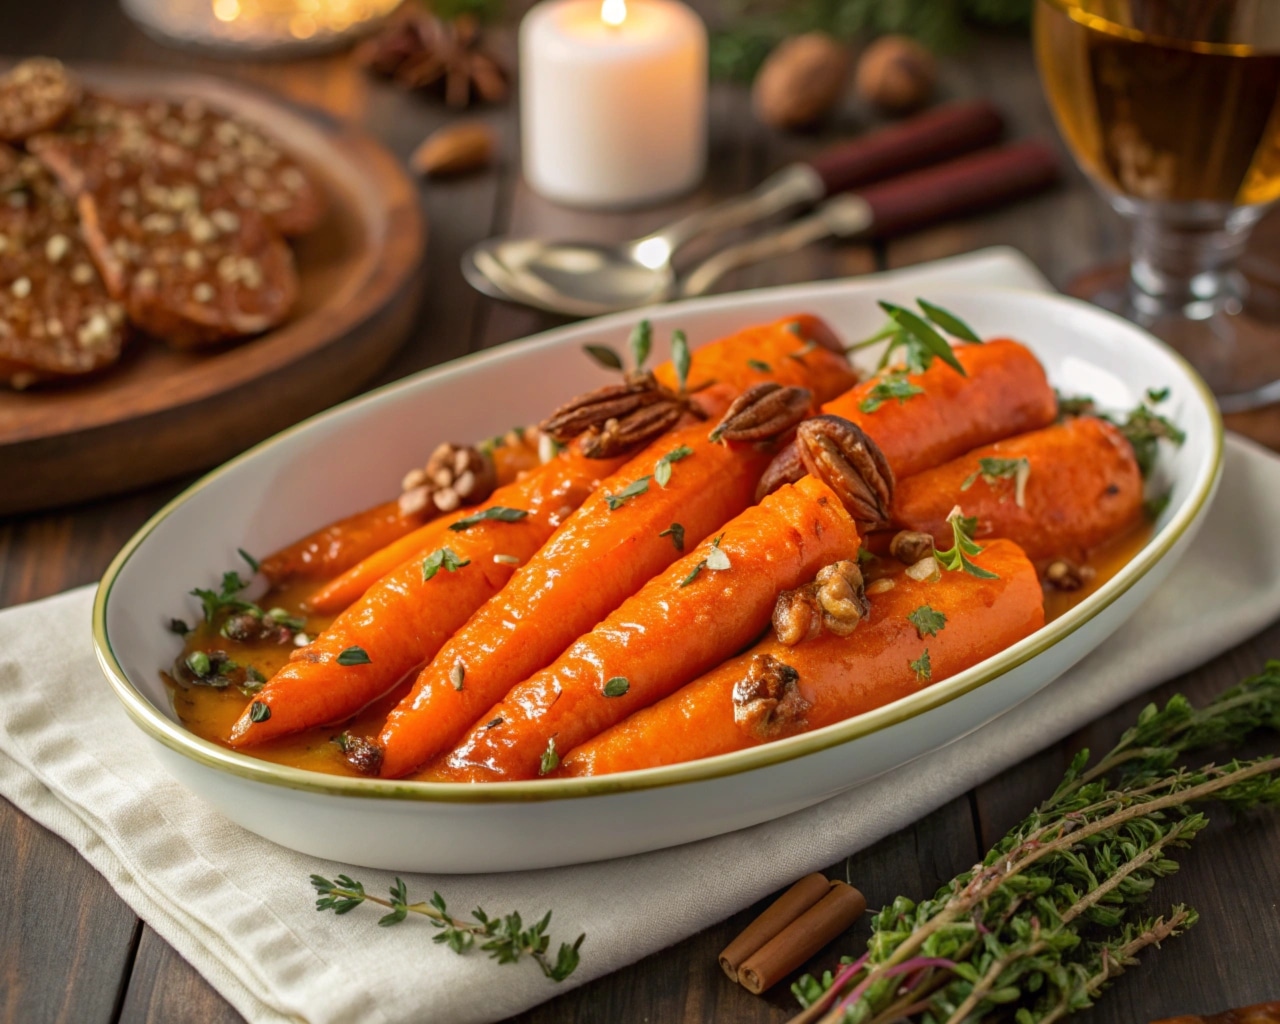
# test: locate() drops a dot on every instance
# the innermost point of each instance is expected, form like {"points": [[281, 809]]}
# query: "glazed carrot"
{"points": [[749, 700], [630, 530], [677, 626], [1080, 486], [560, 485], [799, 350], [371, 646], [1004, 393], [338, 546], [402, 620]]}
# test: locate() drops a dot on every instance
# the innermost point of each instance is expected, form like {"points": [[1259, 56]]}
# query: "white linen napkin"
{"points": [[239, 908]]}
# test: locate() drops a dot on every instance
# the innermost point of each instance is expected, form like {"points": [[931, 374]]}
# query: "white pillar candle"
{"points": [[613, 100]]}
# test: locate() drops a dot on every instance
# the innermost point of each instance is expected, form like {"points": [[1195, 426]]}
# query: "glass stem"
{"points": [[1186, 265]]}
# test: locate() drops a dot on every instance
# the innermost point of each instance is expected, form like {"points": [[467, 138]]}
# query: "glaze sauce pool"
{"points": [[210, 713]]}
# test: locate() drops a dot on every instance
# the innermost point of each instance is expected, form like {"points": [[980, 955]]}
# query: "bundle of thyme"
{"points": [[1052, 913]]}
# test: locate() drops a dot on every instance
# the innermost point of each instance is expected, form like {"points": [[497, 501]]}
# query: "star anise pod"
{"points": [[421, 51]]}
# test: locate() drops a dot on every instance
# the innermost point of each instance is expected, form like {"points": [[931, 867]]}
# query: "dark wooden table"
{"points": [[70, 950]]}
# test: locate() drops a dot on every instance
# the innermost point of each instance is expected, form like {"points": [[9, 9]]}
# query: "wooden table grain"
{"points": [[71, 950]]}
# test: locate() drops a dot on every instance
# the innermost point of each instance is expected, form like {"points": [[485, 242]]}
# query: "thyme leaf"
{"points": [[497, 513], [504, 938], [994, 469], [550, 760], [354, 656], [259, 712], [760, 365], [676, 532], [442, 558], [632, 490], [604, 355], [892, 385], [640, 342], [617, 686], [956, 557], [225, 600], [249, 560], [662, 471], [681, 358]]}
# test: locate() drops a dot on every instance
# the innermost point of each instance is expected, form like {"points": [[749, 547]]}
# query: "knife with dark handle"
{"points": [[957, 187]]}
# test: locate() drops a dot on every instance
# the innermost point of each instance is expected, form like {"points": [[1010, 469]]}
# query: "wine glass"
{"points": [[1170, 107]]}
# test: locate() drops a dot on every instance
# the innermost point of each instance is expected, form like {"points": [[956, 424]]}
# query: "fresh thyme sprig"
{"points": [[226, 599], [505, 938], [956, 557], [640, 343], [918, 337], [1036, 930]]}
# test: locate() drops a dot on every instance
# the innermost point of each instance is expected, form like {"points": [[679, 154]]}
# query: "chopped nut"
{"points": [[455, 149], [617, 417], [454, 475], [362, 754], [882, 586], [1066, 575], [842, 597], [767, 702], [925, 570], [909, 546], [56, 247], [840, 454]]}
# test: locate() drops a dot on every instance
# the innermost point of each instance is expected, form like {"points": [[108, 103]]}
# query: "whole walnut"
{"points": [[896, 74], [800, 81]]}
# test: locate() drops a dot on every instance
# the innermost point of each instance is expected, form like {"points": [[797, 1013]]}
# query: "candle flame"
{"points": [[613, 12]]}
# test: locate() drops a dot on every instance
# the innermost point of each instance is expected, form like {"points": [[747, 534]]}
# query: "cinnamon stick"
{"points": [[780, 913], [802, 938]]}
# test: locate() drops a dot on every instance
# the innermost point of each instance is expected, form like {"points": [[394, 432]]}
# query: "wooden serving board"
{"points": [[161, 413]]}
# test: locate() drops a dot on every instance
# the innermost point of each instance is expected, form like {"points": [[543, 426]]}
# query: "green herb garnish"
{"points": [[632, 490], [1074, 405], [179, 627], [505, 939], [1152, 507], [760, 365], [927, 621], [799, 354], [1144, 428], [956, 557], [662, 471], [891, 385], [676, 532], [550, 760], [681, 358], [921, 667], [216, 601], [259, 712], [496, 513], [442, 558], [992, 470], [249, 560], [354, 656], [199, 663], [617, 686], [917, 337], [604, 355], [716, 561], [641, 341]]}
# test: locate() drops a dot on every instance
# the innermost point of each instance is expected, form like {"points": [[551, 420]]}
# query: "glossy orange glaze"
{"points": [[596, 560], [839, 677], [1005, 393], [335, 548], [1082, 487], [791, 351], [672, 630]]}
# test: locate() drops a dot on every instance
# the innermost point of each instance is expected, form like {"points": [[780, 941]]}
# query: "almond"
{"points": [[455, 149]]}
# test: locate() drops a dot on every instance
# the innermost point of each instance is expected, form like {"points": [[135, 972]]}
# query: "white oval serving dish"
{"points": [[346, 458]]}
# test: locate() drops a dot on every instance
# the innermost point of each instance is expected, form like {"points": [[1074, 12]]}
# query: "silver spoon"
{"points": [[588, 278]]}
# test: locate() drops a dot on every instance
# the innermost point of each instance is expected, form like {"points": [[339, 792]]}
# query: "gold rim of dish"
{"points": [[174, 736]]}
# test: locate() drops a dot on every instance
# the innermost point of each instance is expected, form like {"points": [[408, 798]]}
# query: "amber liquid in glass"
{"points": [[1167, 100]]}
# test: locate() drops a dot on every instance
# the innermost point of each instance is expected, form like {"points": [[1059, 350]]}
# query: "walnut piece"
{"points": [[1062, 574], [835, 602], [454, 476], [909, 546], [767, 701]]}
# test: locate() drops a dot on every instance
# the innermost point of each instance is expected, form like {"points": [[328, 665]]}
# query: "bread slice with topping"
{"points": [[56, 318]]}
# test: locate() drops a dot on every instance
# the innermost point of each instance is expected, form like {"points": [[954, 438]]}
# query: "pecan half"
{"points": [[909, 546], [836, 601], [617, 417], [763, 413], [766, 701], [786, 468], [840, 454]]}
